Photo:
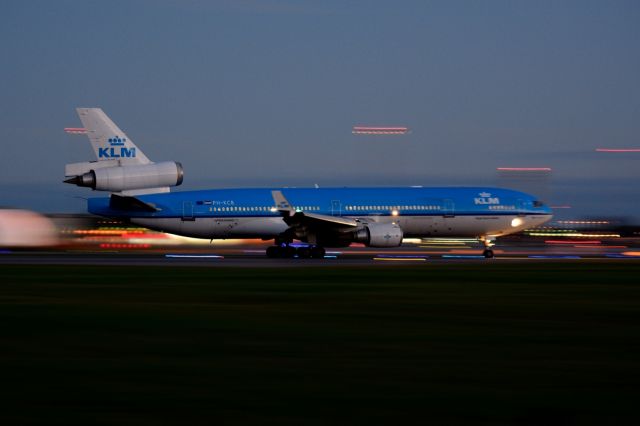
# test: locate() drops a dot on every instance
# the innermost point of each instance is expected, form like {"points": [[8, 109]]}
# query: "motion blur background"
{"points": [[262, 93]]}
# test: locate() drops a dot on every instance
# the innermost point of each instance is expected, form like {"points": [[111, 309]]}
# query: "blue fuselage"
{"points": [[247, 213]]}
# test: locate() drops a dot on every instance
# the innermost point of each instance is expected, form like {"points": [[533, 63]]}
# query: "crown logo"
{"points": [[117, 141], [485, 194]]}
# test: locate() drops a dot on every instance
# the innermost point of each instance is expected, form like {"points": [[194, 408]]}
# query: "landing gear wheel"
{"points": [[288, 252], [273, 252], [317, 253], [304, 252], [488, 243], [488, 253]]}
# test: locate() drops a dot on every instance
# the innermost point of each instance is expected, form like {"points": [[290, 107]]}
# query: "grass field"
{"points": [[530, 343]]}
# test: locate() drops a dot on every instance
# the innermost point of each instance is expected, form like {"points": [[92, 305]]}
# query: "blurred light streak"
{"points": [[445, 241], [441, 247], [572, 242], [524, 169], [401, 256], [392, 252], [460, 256], [618, 149], [177, 239], [398, 259], [559, 256], [599, 246], [373, 130], [124, 246], [571, 234], [76, 130], [584, 222], [194, 256], [473, 251], [144, 236], [120, 232], [297, 245], [25, 228], [631, 253]]}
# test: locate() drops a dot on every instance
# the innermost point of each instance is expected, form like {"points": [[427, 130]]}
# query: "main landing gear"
{"points": [[287, 251], [487, 252]]}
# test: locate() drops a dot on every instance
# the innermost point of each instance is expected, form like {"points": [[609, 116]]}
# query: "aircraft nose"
{"points": [[542, 219]]}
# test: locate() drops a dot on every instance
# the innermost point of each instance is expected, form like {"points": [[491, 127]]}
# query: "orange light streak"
{"points": [[143, 235], [124, 246], [598, 246]]}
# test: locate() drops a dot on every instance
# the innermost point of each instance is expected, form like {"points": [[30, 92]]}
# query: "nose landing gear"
{"points": [[488, 243]]}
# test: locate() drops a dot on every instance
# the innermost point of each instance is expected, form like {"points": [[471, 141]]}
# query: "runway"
{"points": [[252, 256]]}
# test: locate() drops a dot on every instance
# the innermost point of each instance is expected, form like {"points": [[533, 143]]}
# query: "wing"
{"points": [[295, 218]]}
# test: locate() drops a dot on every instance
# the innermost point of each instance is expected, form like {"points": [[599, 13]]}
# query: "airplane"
{"points": [[319, 218]]}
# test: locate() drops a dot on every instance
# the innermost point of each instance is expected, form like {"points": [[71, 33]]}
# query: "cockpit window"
{"points": [[538, 204]]}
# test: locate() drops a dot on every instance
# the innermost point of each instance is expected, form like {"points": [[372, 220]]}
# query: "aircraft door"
{"points": [[521, 207], [448, 208], [187, 210], [336, 208]]}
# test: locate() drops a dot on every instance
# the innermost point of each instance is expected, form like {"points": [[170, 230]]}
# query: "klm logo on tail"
{"points": [[113, 152], [116, 141]]}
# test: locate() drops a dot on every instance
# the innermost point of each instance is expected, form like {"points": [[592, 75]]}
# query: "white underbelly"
{"points": [[209, 227]]}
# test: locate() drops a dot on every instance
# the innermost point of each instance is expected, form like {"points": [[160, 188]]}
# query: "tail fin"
{"points": [[108, 141]]}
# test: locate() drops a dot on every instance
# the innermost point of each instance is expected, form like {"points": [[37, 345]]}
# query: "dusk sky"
{"points": [[265, 93]]}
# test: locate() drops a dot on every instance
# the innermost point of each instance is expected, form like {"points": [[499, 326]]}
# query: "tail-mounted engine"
{"points": [[124, 178]]}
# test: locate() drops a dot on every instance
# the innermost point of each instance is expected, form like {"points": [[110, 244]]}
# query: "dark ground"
{"points": [[528, 344]]}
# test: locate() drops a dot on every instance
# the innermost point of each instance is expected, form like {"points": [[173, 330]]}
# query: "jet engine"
{"points": [[379, 235], [123, 178]]}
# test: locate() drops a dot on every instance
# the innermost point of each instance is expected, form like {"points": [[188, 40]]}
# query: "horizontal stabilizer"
{"points": [[119, 202]]}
